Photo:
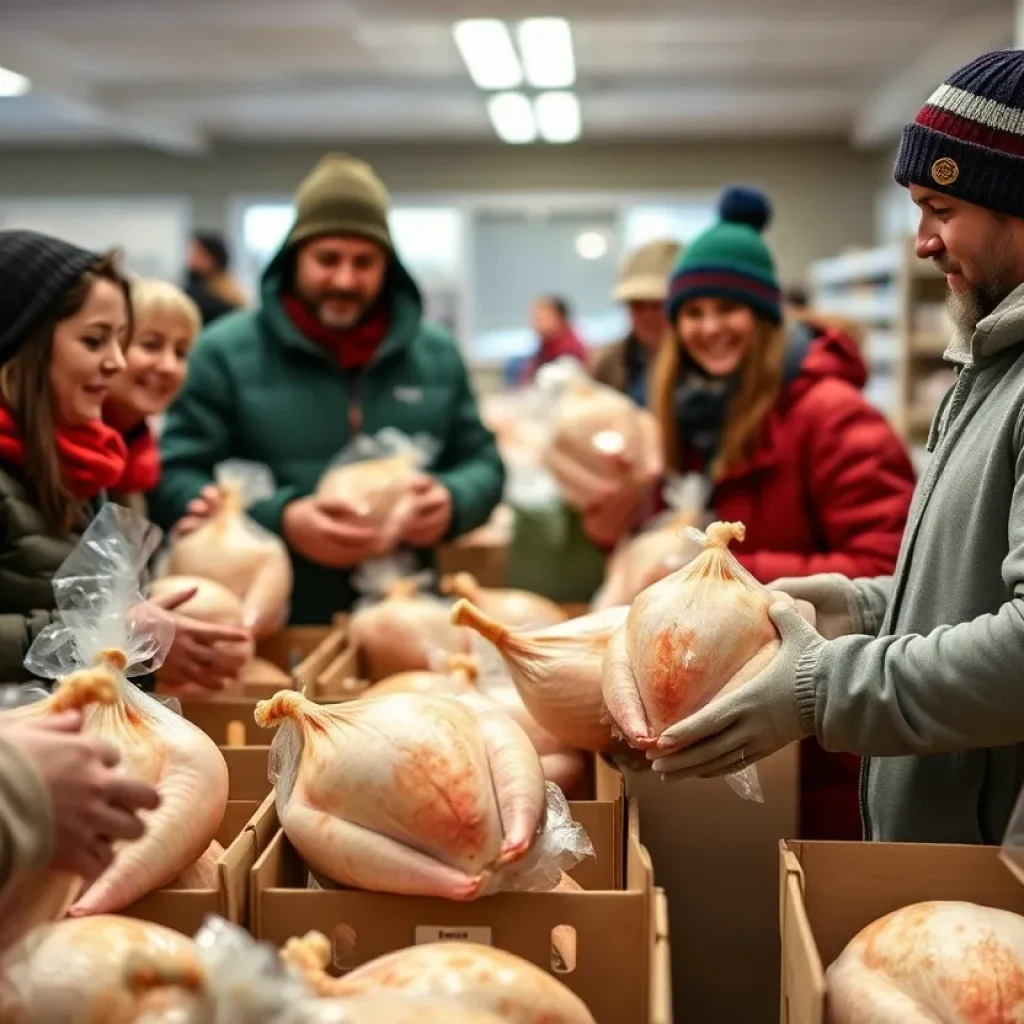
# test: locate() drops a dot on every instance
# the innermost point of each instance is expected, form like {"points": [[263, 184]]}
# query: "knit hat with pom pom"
{"points": [[731, 260]]}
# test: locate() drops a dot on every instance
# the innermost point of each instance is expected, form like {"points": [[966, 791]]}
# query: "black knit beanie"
{"points": [[968, 139], [35, 272]]}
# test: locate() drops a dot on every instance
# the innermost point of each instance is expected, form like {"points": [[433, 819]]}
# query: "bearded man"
{"points": [[922, 672], [337, 348]]}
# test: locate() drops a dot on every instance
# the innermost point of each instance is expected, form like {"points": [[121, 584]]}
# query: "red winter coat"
{"points": [[827, 489]]}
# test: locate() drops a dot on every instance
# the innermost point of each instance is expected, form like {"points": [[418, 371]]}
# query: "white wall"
{"points": [[824, 192]]}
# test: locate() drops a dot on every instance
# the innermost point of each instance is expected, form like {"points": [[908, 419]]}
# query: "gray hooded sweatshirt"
{"points": [[935, 701]]}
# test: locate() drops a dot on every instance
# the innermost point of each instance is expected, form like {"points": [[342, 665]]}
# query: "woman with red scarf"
{"points": [[64, 317]]}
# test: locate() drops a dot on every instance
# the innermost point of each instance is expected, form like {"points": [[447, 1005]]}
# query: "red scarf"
{"points": [[92, 457], [142, 469], [353, 347]]}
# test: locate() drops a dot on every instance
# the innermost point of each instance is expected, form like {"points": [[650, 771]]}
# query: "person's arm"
{"points": [[26, 817], [873, 596], [16, 635], [861, 483], [956, 688], [470, 466]]}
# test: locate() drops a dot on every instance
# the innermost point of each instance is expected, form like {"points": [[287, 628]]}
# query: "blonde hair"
{"points": [[151, 296], [759, 387]]}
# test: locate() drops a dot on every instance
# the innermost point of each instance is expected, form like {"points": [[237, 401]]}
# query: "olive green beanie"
{"points": [[341, 196]]}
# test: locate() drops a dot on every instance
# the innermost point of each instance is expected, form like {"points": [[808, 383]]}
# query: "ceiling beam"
{"points": [[890, 107], [32, 55]]}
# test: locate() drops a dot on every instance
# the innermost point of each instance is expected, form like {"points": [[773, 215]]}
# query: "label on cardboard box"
{"points": [[433, 933]]}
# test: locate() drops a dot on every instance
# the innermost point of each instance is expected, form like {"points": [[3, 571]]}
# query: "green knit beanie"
{"points": [[341, 196], [730, 260]]}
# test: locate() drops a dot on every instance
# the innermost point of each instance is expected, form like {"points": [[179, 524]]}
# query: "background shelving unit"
{"points": [[898, 301]]}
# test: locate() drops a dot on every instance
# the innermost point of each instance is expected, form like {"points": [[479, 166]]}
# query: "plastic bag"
{"points": [[241, 981], [103, 633], [235, 551], [686, 638], [373, 477], [101, 609], [449, 739]]}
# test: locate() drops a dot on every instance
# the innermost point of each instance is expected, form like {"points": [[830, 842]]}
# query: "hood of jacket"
{"points": [[1001, 329], [404, 302], [827, 353]]}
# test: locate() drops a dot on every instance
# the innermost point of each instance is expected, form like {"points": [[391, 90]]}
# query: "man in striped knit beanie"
{"points": [[920, 673]]}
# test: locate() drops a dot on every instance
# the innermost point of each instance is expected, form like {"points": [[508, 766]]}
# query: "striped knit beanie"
{"points": [[968, 139], [730, 260]]}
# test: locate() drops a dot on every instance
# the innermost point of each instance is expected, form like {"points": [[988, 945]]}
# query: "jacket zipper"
{"points": [[355, 409]]}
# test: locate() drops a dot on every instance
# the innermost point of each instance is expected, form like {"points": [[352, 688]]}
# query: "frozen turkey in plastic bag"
{"points": [[417, 794], [686, 638], [232, 549], [103, 633]]}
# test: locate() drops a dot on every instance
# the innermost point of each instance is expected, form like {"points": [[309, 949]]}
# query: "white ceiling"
{"points": [[181, 74]]}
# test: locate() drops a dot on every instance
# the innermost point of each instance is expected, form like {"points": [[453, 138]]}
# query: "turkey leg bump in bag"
{"points": [[106, 631], [686, 639]]}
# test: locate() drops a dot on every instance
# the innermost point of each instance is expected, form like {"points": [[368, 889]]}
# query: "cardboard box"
{"points": [[613, 977], [247, 772], [246, 830], [661, 963], [717, 857], [830, 891]]}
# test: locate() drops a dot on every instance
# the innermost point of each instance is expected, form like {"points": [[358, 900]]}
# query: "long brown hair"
{"points": [[760, 383], [25, 390]]}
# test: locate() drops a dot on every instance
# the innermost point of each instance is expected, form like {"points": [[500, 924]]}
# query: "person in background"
{"points": [[165, 323], [551, 317], [209, 282], [774, 421], [337, 348], [643, 287], [919, 671]]}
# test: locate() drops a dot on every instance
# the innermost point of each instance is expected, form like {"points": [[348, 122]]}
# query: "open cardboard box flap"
{"points": [[614, 927], [830, 891], [245, 830]]}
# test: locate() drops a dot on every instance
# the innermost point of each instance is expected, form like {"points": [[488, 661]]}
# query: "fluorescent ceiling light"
{"points": [[546, 45], [558, 116], [13, 84], [490, 57], [512, 117]]}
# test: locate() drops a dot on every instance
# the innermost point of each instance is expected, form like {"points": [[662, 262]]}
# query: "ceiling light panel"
{"points": [[546, 46], [512, 117], [558, 115], [13, 84], [485, 45]]}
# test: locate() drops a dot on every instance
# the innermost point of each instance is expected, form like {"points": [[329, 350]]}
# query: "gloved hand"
{"points": [[754, 720], [834, 597]]}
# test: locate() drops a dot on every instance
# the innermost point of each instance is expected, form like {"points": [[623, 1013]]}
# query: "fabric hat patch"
{"points": [[945, 171]]}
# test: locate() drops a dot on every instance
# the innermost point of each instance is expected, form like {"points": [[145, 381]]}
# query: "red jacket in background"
{"points": [[552, 347], [827, 489]]}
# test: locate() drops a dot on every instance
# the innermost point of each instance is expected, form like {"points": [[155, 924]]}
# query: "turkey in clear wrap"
{"points": [[518, 609], [403, 631], [212, 601], [931, 963], [415, 794], [556, 670], [76, 972], [471, 975], [233, 550], [687, 637]]}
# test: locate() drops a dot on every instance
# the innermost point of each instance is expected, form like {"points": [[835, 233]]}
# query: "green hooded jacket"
{"points": [[257, 389]]}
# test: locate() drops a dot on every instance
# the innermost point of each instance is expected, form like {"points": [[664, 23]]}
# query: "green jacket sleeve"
{"points": [[16, 635], [199, 432], [26, 818], [469, 466]]}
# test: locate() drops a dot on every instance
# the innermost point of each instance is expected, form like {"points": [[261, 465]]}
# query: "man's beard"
{"points": [[333, 318], [969, 304]]}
